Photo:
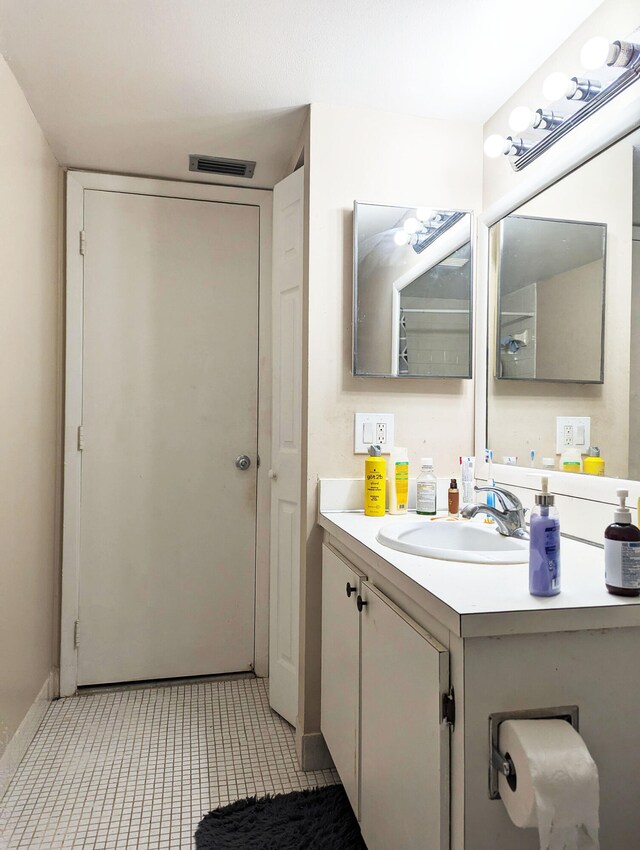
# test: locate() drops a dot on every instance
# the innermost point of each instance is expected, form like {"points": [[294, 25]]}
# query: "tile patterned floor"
{"points": [[136, 769]]}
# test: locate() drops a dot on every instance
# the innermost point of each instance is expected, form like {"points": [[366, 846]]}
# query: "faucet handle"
{"points": [[508, 500]]}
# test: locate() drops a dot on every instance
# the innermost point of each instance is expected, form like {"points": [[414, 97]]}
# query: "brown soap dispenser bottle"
{"points": [[622, 552], [454, 498]]}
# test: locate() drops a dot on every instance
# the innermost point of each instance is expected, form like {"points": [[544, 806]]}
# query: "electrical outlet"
{"points": [[573, 431], [373, 429]]}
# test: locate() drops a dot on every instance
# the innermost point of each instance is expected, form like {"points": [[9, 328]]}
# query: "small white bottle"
{"points": [[571, 460], [426, 488], [398, 483]]}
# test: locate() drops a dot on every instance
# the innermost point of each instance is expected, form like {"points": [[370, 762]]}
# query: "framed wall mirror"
{"points": [[578, 379], [412, 295]]}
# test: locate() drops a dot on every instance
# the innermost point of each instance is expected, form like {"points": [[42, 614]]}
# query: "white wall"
{"points": [[389, 159], [30, 302]]}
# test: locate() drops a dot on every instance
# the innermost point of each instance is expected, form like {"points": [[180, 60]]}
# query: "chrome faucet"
{"points": [[510, 520]]}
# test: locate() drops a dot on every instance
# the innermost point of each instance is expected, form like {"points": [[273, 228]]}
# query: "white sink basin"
{"points": [[454, 541]]}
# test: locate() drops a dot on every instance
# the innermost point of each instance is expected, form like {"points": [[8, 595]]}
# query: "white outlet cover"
{"points": [[365, 426], [573, 422]]}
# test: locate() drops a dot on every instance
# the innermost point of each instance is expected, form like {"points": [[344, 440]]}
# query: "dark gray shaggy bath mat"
{"points": [[320, 819]]}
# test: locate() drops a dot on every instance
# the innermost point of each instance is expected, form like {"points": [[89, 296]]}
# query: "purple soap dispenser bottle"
{"points": [[544, 545]]}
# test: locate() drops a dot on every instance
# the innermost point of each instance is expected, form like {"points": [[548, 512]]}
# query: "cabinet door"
{"points": [[404, 775], [340, 668]]}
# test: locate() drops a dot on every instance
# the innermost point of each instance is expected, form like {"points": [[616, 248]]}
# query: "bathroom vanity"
{"points": [[418, 653]]}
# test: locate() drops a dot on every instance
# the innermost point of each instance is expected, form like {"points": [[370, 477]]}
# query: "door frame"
{"points": [[75, 184]]}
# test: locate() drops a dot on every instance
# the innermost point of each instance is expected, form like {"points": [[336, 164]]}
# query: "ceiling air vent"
{"points": [[220, 165]]}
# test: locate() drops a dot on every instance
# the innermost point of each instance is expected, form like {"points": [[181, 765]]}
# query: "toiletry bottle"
{"points": [[544, 545], [466, 475], [548, 463], [593, 464], [454, 498], [375, 483], [571, 460], [399, 481], [426, 488], [622, 552]]}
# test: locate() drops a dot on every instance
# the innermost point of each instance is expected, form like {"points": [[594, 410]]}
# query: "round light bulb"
{"points": [[424, 213], [400, 237], [412, 225], [595, 53], [495, 146], [556, 86], [521, 119]]}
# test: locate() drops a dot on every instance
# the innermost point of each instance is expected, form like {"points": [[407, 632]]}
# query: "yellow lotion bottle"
{"points": [[398, 482], [593, 464], [375, 483]]}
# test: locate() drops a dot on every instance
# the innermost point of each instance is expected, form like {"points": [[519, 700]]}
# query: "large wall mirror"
{"points": [[412, 292], [574, 351]]}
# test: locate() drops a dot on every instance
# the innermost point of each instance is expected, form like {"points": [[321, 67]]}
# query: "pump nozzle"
{"points": [[544, 497], [623, 514]]}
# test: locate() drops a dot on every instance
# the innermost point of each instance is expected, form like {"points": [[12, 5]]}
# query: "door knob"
{"points": [[243, 462], [360, 603], [350, 589]]}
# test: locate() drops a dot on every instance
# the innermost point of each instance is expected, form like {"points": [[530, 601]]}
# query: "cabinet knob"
{"points": [[360, 602], [350, 590]]}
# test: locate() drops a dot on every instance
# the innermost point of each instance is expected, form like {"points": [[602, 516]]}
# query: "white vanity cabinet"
{"points": [[341, 668], [425, 624], [383, 680]]}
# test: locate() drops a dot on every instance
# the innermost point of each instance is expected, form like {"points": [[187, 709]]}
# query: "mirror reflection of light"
{"points": [[424, 213], [412, 225], [400, 237]]}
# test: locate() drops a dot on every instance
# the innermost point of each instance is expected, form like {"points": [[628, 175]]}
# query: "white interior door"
{"points": [[169, 401], [286, 457]]}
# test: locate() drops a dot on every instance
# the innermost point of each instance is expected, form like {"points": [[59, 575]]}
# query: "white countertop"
{"points": [[482, 600]]}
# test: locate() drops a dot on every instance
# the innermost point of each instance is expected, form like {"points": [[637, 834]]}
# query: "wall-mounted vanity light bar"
{"points": [[427, 225], [572, 100]]}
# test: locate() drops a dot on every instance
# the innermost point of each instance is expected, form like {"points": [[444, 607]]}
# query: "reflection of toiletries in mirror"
{"points": [[510, 460], [426, 487], [398, 481], [593, 464], [571, 460], [375, 483], [491, 497], [544, 545], [453, 498], [532, 455], [622, 552], [467, 492], [548, 463]]}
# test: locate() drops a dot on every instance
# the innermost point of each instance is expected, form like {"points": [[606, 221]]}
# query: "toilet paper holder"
{"points": [[500, 763]]}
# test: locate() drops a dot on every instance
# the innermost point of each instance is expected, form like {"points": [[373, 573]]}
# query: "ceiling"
{"points": [[134, 86]]}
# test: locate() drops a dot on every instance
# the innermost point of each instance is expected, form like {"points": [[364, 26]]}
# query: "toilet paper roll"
{"points": [[557, 787]]}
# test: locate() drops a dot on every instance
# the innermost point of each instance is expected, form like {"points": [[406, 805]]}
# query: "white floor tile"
{"points": [[138, 768]]}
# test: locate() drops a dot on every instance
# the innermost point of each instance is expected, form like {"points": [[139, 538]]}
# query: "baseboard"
{"points": [[16, 747], [313, 753]]}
